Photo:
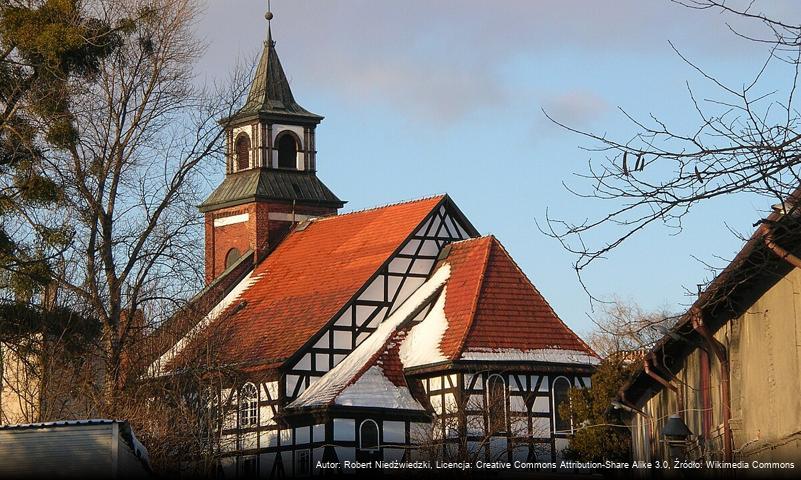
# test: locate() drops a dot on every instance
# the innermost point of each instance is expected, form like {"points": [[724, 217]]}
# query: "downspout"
{"points": [[666, 384], [720, 352]]}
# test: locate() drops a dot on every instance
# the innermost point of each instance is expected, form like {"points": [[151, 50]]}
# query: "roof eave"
{"points": [[271, 115], [207, 207]]}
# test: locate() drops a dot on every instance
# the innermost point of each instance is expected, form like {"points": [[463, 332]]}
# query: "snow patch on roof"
{"points": [[549, 355], [373, 389], [157, 368], [422, 344], [331, 385]]}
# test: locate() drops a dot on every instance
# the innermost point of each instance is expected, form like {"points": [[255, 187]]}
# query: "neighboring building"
{"points": [[731, 367], [72, 449], [389, 333], [19, 387]]}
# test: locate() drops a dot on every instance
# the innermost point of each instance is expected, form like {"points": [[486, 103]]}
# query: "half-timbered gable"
{"points": [[493, 358], [401, 273]]}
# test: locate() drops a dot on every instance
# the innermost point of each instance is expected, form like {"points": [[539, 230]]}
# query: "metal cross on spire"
{"points": [[269, 17]]}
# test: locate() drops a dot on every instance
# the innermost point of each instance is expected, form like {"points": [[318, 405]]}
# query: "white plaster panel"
{"points": [[302, 435], [343, 340], [394, 432], [541, 405], [278, 128], [344, 429], [231, 220], [318, 433]]}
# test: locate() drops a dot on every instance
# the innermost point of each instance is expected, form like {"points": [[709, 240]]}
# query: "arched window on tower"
{"points": [[287, 151], [368, 435], [232, 256], [496, 404], [563, 424], [242, 151]]}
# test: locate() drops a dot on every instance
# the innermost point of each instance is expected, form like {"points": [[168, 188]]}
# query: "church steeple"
{"points": [[271, 163], [270, 92]]}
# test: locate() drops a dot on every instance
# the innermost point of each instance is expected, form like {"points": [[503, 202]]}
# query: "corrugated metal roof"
{"points": [[59, 423], [126, 432], [270, 184]]}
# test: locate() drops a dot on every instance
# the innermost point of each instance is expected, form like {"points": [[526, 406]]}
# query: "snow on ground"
{"points": [[326, 389]]}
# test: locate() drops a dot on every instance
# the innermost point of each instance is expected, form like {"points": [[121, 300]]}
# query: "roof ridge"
{"points": [[380, 207], [474, 307], [520, 270]]}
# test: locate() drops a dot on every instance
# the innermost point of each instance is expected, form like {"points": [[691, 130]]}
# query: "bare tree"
{"points": [[144, 134], [746, 141], [623, 327], [471, 429]]}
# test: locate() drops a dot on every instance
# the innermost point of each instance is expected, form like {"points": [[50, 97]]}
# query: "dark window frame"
{"points": [[496, 404], [248, 406], [287, 158], [242, 151], [377, 445], [229, 260], [303, 466], [561, 426]]}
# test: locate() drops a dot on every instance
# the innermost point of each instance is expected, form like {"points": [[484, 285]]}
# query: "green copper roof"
{"points": [[270, 92], [270, 184]]}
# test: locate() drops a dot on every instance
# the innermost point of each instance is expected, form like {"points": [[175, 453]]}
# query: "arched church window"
{"points": [[496, 404], [561, 390], [242, 152], [248, 406], [232, 256], [287, 151], [368, 435]]}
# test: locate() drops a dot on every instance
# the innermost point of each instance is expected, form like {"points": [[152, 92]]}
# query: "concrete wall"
{"points": [[764, 348], [765, 352], [19, 388]]}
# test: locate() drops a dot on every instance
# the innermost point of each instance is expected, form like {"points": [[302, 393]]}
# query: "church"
{"points": [[392, 333]]}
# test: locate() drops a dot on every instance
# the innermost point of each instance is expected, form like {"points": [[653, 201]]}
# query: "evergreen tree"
{"points": [[601, 433], [44, 46]]}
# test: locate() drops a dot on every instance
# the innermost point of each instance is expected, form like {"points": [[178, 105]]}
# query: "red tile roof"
{"points": [[310, 276], [490, 304]]}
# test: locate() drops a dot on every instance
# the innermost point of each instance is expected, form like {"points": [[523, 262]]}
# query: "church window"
{"points": [[302, 463], [368, 435], [287, 151], [561, 389], [242, 152], [232, 256], [496, 404], [248, 466], [248, 406]]}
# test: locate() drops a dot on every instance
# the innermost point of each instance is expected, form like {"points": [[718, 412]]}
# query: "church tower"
{"points": [[270, 179]]}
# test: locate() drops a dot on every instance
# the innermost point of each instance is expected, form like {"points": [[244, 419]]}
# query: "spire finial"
{"points": [[269, 17]]}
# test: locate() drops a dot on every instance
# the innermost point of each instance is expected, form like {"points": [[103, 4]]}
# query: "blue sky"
{"points": [[427, 97]]}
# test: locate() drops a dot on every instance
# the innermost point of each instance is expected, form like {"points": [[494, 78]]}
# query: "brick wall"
{"points": [[258, 233]]}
